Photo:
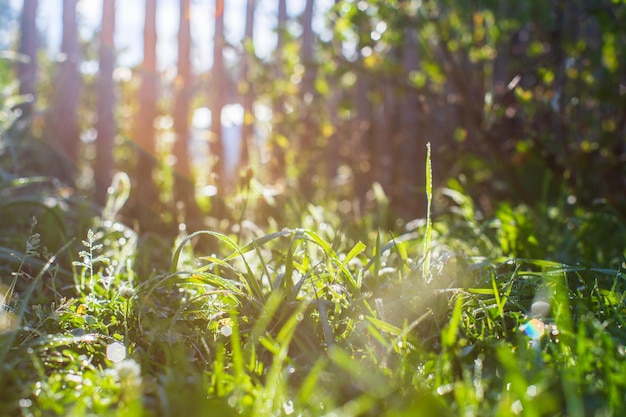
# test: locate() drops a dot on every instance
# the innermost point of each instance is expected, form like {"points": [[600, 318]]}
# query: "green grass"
{"points": [[454, 316]]}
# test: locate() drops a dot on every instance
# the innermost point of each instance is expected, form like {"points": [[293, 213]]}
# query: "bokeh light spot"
{"points": [[116, 352]]}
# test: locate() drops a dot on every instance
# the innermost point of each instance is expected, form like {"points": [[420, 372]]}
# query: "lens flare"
{"points": [[535, 328]]}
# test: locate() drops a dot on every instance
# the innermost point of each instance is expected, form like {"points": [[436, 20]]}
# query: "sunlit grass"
{"points": [[437, 319]]}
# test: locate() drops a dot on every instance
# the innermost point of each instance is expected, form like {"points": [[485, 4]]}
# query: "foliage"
{"points": [[506, 299], [314, 321], [521, 99]]}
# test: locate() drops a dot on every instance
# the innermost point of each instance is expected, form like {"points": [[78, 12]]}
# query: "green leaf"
{"points": [[449, 333]]}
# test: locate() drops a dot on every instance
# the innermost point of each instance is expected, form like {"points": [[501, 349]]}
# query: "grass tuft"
{"points": [[442, 318]]}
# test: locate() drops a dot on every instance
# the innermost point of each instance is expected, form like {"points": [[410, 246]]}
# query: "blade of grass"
{"points": [[310, 384], [273, 303], [429, 198], [273, 392], [236, 350], [352, 283], [24, 299], [449, 333], [250, 279]]}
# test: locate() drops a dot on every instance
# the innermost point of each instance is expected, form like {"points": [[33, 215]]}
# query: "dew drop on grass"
{"points": [[226, 331], [288, 407], [74, 378], [25, 403], [89, 338], [445, 389], [116, 352], [84, 360]]}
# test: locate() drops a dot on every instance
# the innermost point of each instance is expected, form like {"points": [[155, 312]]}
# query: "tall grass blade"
{"points": [[429, 197], [376, 259], [449, 333], [273, 393]]}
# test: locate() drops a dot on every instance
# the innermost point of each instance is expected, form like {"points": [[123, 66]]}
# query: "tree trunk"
{"points": [[216, 96], [411, 176], [385, 130], [27, 68], [362, 156], [333, 147], [184, 184], [246, 88], [63, 132], [307, 91], [106, 100], [276, 147], [145, 200]]}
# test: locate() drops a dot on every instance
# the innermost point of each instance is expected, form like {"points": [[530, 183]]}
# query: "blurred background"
{"points": [[324, 101]]}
